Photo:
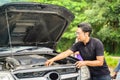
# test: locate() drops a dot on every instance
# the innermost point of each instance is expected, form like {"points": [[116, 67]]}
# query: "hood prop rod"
{"points": [[8, 26]]}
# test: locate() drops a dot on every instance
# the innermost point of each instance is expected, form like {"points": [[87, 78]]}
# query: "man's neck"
{"points": [[86, 40]]}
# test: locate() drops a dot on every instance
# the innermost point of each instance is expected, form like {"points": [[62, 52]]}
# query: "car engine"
{"points": [[21, 62]]}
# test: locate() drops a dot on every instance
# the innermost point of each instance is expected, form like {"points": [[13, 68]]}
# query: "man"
{"points": [[91, 50]]}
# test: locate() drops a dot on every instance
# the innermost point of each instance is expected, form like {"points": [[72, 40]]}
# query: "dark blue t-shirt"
{"points": [[89, 52]]}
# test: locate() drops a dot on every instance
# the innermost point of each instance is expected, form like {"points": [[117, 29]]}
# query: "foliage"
{"points": [[109, 33]]}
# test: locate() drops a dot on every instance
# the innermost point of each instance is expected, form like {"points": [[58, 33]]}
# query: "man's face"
{"points": [[81, 36]]}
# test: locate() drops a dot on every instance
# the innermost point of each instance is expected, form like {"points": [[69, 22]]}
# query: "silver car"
{"points": [[29, 33]]}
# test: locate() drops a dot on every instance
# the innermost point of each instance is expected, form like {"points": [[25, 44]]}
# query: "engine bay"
{"points": [[21, 62], [29, 61]]}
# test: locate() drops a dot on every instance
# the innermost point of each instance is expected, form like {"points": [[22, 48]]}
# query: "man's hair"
{"points": [[86, 27]]}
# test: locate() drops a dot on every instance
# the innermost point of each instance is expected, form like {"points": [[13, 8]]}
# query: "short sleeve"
{"points": [[99, 48], [74, 47]]}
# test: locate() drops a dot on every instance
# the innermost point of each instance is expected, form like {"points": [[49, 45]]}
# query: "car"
{"points": [[29, 33]]}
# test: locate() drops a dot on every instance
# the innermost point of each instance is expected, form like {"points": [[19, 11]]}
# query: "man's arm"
{"points": [[59, 57], [98, 62], [117, 67], [116, 70]]}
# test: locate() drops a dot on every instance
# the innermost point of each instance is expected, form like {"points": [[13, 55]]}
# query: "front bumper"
{"points": [[60, 72]]}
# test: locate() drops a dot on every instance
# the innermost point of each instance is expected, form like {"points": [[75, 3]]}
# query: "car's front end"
{"points": [[29, 33]]}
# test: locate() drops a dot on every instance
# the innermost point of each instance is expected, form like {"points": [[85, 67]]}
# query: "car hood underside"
{"points": [[32, 24]]}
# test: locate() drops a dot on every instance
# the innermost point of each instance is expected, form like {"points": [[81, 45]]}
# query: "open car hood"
{"points": [[32, 24]]}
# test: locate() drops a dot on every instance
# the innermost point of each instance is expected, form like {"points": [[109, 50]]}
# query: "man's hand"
{"points": [[49, 62], [79, 64], [114, 75]]}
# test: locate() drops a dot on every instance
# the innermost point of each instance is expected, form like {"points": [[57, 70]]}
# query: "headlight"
{"points": [[85, 74], [5, 76]]}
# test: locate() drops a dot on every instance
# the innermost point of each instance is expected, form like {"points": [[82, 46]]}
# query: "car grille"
{"points": [[43, 73]]}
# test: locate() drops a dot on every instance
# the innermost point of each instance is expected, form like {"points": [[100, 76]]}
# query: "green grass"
{"points": [[111, 60]]}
